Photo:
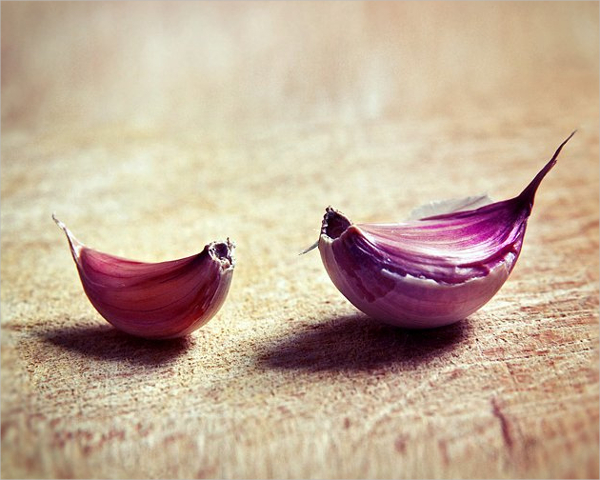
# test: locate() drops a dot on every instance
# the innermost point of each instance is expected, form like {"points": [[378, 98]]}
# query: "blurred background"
{"points": [[153, 128], [198, 64]]}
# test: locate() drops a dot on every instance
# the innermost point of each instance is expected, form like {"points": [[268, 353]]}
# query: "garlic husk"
{"points": [[155, 300], [430, 272]]}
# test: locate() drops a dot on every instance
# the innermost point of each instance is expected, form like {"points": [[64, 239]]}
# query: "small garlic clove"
{"points": [[430, 272], [155, 300]]}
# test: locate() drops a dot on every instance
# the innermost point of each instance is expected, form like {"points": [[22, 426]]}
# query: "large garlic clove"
{"points": [[155, 300], [429, 272]]}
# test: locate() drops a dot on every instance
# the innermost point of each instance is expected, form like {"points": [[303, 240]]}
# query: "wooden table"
{"points": [[153, 129]]}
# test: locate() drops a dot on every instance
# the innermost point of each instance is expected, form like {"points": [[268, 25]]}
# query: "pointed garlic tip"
{"points": [[74, 244], [432, 271], [528, 193], [155, 300]]}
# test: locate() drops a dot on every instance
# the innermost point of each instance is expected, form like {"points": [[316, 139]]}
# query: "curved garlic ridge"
{"points": [[451, 250]]}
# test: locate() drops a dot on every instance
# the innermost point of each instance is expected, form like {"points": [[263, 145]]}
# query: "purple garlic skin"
{"points": [[155, 300], [430, 272]]}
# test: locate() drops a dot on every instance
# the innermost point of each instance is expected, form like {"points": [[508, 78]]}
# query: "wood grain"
{"points": [[152, 129]]}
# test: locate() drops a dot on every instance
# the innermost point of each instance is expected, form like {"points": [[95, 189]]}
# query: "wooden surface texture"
{"points": [[152, 129]]}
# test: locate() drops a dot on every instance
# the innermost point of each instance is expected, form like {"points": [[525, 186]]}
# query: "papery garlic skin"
{"points": [[430, 272], [155, 300]]}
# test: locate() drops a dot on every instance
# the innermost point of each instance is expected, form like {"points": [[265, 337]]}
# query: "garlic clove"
{"points": [[429, 272], [155, 300]]}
